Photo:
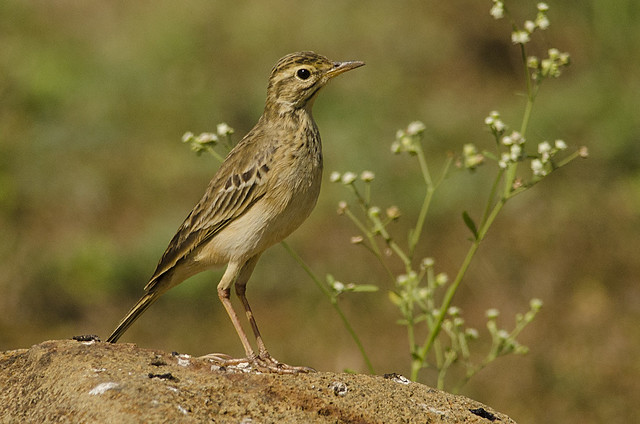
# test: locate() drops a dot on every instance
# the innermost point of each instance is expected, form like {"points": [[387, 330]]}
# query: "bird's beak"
{"points": [[340, 67]]}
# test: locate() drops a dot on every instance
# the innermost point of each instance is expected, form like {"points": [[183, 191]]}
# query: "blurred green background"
{"points": [[95, 96]]}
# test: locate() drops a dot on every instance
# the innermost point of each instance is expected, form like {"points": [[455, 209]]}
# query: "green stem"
{"points": [[362, 200], [560, 164], [334, 303], [530, 91], [490, 218], [424, 167], [373, 245], [392, 244], [451, 291], [365, 231], [431, 188], [417, 232], [215, 154], [492, 195]]}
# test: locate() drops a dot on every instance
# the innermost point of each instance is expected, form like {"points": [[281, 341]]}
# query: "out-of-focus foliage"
{"points": [[95, 96]]}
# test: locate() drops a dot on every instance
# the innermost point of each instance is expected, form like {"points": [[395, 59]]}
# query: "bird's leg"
{"points": [[241, 288], [264, 359], [225, 297], [240, 291], [224, 293], [240, 273]]}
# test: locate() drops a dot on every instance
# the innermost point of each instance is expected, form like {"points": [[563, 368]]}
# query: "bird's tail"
{"points": [[137, 310]]}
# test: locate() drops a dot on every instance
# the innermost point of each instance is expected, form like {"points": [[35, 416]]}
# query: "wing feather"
{"points": [[231, 193]]}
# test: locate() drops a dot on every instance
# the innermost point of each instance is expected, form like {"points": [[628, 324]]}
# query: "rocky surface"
{"points": [[89, 381]]}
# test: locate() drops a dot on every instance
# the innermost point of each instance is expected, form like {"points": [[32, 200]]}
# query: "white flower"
{"points": [[517, 137], [224, 129], [415, 127], [348, 178], [471, 156], [374, 211], [533, 62], [497, 11], [453, 311], [428, 262], [520, 37], [334, 177], [507, 140], [402, 279], [492, 313], [535, 304], [338, 286], [538, 168], [505, 158], [393, 212], [342, 207], [469, 149], [367, 176], [442, 279], [494, 121], [530, 26], [188, 136], [423, 293], [549, 67], [560, 145], [205, 138], [503, 334], [471, 333], [543, 7], [357, 239], [542, 22], [544, 147], [515, 152]]}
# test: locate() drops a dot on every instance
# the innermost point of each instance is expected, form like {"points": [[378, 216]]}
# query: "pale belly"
{"points": [[268, 222]]}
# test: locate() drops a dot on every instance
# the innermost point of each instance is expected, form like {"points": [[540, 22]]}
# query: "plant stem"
{"points": [[492, 195], [431, 188], [334, 303], [451, 291], [215, 154], [417, 232], [406, 260]]}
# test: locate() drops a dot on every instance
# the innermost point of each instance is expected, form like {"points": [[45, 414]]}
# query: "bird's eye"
{"points": [[303, 73]]}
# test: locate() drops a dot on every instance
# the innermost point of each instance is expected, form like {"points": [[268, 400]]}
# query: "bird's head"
{"points": [[297, 78]]}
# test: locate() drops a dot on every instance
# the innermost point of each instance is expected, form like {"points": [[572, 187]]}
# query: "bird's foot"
{"points": [[263, 362], [267, 362]]}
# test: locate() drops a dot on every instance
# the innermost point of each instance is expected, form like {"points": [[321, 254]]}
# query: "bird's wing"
{"points": [[239, 184]]}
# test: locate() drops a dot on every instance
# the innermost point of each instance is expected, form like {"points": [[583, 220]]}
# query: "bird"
{"points": [[267, 185]]}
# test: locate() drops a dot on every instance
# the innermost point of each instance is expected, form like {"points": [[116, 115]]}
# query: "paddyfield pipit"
{"points": [[265, 188]]}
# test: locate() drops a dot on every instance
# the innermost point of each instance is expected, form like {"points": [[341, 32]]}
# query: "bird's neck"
{"points": [[296, 125], [287, 117]]}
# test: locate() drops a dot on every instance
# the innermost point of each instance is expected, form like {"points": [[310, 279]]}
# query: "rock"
{"points": [[90, 381]]}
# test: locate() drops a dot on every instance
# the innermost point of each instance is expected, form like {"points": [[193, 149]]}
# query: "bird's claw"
{"points": [[263, 362]]}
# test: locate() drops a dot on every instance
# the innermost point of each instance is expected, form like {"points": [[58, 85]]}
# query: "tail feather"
{"points": [[137, 310]]}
